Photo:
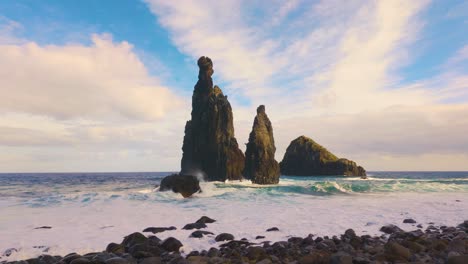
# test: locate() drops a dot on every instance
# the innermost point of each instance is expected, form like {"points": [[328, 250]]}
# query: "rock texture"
{"points": [[260, 164], [305, 157], [209, 143], [183, 184]]}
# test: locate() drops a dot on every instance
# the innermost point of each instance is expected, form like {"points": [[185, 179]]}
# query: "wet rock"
{"points": [[117, 260], [209, 145], [341, 258], [316, 257], [184, 184], [350, 234], [171, 244], [144, 250], [409, 221], [213, 252], [205, 220], [199, 259], [256, 253], [390, 229], [305, 157], [102, 257], [458, 259], [133, 239], [236, 244], [151, 260], [200, 234], [70, 257], [155, 230], [396, 252], [115, 248], [80, 260], [153, 240], [224, 237], [260, 164], [272, 229], [295, 240], [194, 226]]}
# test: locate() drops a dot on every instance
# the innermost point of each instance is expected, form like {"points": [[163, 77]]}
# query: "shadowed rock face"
{"points": [[183, 184], [209, 143], [260, 164], [304, 157]]}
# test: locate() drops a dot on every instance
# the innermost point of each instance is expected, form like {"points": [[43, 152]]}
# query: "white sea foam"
{"points": [[240, 208]]}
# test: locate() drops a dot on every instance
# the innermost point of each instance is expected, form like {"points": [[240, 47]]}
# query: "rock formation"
{"points": [[260, 164], [209, 143], [305, 157], [183, 184]]}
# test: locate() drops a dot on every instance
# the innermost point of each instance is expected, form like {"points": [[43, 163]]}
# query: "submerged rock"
{"points": [[183, 184], [209, 143], [260, 164], [205, 220], [155, 230], [305, 157]]}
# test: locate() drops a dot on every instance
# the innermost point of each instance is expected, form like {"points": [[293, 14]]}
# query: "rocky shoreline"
{"points": [[434, 244]]}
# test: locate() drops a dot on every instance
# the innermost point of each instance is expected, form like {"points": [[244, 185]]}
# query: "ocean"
{"points": [[87, 211]]}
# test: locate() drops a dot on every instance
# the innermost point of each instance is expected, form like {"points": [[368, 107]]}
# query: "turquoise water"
{"points": [[43, 189]]}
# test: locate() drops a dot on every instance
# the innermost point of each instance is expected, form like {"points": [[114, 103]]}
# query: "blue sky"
{"points": [[106, 85]]}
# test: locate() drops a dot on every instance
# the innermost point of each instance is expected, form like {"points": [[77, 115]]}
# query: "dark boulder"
{"points": [[133, 239], [272, 229], [194, 226], [209, 143], [305, 157], [390, 229], [224, 237], [260, 164], [155, 230], [171, 244], [200, 234], [409, 221], [205, 220], [178, 183], [115, 248]]}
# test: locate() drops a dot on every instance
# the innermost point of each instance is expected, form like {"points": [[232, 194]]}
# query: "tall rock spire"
{"points": [[209, 143], [260, 164]]}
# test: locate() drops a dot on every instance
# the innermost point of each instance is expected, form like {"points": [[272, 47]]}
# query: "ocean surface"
{"points": [[86, 211]]}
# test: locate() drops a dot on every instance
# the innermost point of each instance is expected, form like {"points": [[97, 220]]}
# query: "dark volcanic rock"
{"points": [[272, 229], [205, 220], [224, 237], [178, 183], [43, 227], [200, 234], [194, 226], [115, 248], [409, 221], [133, 239], [260, 164], [390, 229], [304, 157], [171, 244], [155, 230], [209, 143]]}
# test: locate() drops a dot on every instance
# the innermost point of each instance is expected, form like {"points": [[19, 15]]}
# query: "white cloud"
{"points": [[76, 107], [105, 80]]}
